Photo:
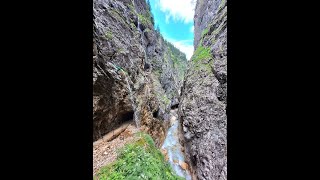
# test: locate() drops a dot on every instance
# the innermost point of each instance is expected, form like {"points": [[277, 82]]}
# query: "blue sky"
{"points": [[175, 20]]}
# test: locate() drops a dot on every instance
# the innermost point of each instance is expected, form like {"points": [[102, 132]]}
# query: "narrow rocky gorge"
{"points": [[137, 75], [143, 83], [202, 109]]}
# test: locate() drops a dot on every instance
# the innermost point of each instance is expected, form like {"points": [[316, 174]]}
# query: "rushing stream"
{"points": [[174, 148]]}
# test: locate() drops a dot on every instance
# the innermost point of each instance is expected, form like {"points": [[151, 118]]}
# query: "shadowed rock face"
{"points": [[202, 108], [127, 52]]}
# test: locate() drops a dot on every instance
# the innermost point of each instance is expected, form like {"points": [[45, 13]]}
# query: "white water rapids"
{"points": [[174, 148]]}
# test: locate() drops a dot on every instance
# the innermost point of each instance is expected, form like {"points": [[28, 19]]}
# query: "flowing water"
{"points": [[171, 143], [138, 24], [174, 148], [142, 34]]}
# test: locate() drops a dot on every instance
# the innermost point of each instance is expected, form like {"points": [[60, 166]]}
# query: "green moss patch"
{"points": [[109, 35], [204, 32], [145, 20], [201, 53]]}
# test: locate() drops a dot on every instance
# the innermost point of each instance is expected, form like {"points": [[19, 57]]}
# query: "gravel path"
{"points": [[105, 152]]}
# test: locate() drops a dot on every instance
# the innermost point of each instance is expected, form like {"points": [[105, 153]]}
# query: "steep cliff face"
{"points": [[202, 109], [137, 75]]}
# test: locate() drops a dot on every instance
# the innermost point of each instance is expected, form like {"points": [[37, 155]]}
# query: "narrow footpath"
{"points": [[105, 149]]}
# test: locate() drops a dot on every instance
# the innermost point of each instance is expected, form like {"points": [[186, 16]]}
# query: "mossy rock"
{"points": [[109, 35], [201, 53]]}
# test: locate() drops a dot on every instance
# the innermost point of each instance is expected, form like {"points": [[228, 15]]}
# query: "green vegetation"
{"points": [[145, 19], [207, 67], [222, 4], [200, 43], [117, 15], [178, 58], [148, 5], [121, 51], [201, 53], [109, 35], [166, 99], [175, 51], [133, 26], [222, 25], [161, 96], [214, 40], [205, 31], [150, 14], [146, 137], [132, 8], [157, 72], [139, 160], [147, 30], [158, 29]]}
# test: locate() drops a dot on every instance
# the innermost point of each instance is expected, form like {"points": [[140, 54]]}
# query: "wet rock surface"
{"points": [[202, 108]]}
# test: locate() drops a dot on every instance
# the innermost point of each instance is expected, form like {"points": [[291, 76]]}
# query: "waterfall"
{"points": [[138, 24], [136, 115], [133, 4], [142, 32]]}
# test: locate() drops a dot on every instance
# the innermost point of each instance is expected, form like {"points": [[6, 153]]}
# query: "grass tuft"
{"points": [[138, 160]]}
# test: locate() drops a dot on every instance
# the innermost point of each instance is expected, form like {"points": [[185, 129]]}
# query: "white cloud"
{"points": [[192, 29], [187, 49], [178, 10], [184, 46], [156, 4]]}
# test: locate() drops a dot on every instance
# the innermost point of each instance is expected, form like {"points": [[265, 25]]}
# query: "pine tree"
{"points": [[158, 29], [151, 15], [148, 3]]}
